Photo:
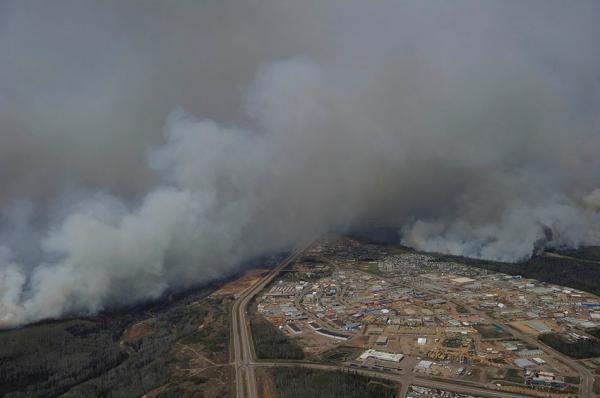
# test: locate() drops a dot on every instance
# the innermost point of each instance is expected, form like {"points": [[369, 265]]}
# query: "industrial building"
{"points": [[380, 355]]}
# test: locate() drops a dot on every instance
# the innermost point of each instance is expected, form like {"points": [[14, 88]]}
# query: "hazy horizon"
{"points": [[149, 145]]}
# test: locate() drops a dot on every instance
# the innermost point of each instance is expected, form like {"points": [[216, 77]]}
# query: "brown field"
{"points": [[138, 330], [237, 286]]}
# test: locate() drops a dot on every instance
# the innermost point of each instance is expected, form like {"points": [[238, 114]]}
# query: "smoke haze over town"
{"points": [[150, 146]]}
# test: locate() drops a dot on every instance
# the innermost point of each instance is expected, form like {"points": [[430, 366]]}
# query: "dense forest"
{"points": [[271, 343], [48, 359], [595, 332], [585, 348], [566, 271], [590, 253], [96, 357], [302, 382]]}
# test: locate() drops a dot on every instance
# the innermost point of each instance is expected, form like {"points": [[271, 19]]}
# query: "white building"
{"points": [[383, 356], [425, 364]]}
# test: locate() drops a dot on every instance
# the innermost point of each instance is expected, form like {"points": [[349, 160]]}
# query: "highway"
{"points": [[405, 380], [243, 347], [245, 360]]}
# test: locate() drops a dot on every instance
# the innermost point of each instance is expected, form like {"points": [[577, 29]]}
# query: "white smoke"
{"points": [[477, 144], [512, 238], [592, 200]]}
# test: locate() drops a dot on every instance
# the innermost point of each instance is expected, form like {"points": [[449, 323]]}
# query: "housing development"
{"points": [[426, 318]]}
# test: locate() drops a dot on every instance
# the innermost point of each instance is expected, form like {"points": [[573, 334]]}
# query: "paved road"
{"points": [[587, 379], [405, 380], [242, 337], [245, 359]]}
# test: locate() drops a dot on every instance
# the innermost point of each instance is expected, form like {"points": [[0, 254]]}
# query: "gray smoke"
{"points": [[148, 146]]}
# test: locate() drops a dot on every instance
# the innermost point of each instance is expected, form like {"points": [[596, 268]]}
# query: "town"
{"points": [[394, 310]]}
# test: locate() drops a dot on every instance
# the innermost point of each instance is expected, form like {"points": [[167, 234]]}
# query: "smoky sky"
{"points": [[152, 145]]}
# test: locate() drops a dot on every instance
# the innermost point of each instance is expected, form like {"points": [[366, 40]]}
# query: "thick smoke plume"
{"points": [[149, 146]]}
